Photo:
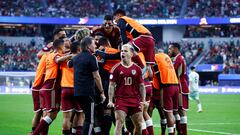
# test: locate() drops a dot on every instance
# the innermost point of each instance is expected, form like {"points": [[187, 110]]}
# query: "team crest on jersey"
{"points": [[133, 72]]}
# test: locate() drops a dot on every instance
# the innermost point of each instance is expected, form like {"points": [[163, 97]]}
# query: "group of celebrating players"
{"points": [[132, 78]]}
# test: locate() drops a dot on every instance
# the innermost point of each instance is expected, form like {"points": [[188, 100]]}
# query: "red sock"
{"points": [[145, 132], [184, 129], [45, 131], [66, 132], [79, 130], [163, 126], [178, 127], [150, 130], [41, 127]]}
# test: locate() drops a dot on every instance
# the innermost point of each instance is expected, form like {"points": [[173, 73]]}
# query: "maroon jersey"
{"points": [[127, 81], [180, 68], [113, 37]]}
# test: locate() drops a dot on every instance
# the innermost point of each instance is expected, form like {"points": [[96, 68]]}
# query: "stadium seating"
{"points": [[18, 57]]}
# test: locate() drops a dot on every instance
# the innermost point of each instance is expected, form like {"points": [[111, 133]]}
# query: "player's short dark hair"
{"points": [[108, 17], [119, 11], [103, 41], [57, 43], [56, 31], [74, 46], [99, 34], [192, 67], [85, 42], [176, 45]]}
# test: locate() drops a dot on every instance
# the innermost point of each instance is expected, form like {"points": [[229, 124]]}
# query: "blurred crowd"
{"points": [[18, 57], [213, 8], [189, 49], [23, 30], [227, 53], [216, 31]]}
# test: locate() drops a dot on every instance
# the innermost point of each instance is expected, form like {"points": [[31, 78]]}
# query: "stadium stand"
{"points": [[18, 57], [213, 8], [226, 53]]}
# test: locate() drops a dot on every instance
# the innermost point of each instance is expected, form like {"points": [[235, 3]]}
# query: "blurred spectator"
{"points": [[213, 8], [18, 57], [214, 31], [22, 30], [189, 49], [227, 53]]}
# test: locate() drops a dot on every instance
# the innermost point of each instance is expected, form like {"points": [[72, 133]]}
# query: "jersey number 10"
{"points": [[128, 80]]}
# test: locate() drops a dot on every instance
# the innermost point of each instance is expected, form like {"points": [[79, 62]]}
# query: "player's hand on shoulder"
{"points": [[110, 104]]}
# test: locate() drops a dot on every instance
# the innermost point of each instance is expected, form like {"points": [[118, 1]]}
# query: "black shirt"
{"points": [[84, 65]]}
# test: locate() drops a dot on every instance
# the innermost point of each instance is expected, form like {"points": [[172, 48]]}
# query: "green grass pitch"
{"points": [[221, 116]]}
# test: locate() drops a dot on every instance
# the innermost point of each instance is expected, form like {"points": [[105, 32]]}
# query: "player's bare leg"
{"points": [[120, 119], [66, 126], [148, 120], [170, 122], [36, 119], [78, 121], [137, 120]]}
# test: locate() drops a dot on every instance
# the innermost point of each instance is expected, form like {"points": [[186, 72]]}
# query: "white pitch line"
{"points": [[214, 132]]}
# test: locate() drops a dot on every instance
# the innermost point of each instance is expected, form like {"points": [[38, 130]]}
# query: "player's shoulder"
{"points": [[115, 67], [96, 28], [136, 66], [116, 28]]}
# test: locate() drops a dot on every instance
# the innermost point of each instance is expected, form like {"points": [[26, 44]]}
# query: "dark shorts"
{"points": [[68, 102], [127, 108], [145, 44], [148, 87], [170, 98], [183, 101], [155, 101], [37, 106], [51, 94]]}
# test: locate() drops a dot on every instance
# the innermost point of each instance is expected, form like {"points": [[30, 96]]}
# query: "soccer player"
{"points": [[85, 76], [110, 31], [57, 34], [180, 68], [193, 87], [127, 87], [139, 36], [51, 87], [68, 103], [37, 84], [168, 83]]}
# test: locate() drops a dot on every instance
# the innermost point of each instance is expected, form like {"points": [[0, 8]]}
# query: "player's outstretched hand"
{"points": [[110, 104], [103, 98]]}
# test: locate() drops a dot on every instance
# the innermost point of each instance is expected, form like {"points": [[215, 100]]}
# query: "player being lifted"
{"points": [[127, 87], [136, 34], [180, 68]]}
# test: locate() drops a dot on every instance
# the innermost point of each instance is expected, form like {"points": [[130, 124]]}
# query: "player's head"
{"points": [[118, 13], [192, 68], [81, 33], [59, 33], [126, 52], [108, 23], [97, 36], [67, 42], [103, 41], [88, 44], [173, 49], [58, 45], [75, 47]]}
